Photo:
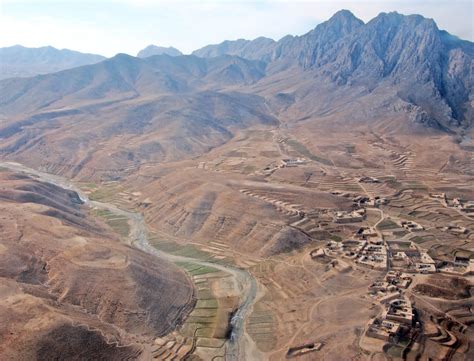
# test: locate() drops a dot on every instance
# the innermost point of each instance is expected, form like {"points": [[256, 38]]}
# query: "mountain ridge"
{"points": [[391, 48], [396, 72], [21, 61]]}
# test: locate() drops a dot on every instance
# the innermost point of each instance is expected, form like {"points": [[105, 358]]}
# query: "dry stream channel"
{"points": [[240, 346]]}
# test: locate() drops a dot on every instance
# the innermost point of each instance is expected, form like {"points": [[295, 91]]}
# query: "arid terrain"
{"points": [[70, 288], [246, 205]]}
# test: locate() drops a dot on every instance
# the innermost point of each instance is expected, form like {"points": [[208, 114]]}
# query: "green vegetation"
{"points": [[88, 186], [195, 269], [118, 223], [187, 250], [335, 238], [421, 239], [104, 193], [387, 224], [210, 342]]}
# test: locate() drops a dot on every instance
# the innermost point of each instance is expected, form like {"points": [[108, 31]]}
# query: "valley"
{"points": [[284, 211], [310, 198]]}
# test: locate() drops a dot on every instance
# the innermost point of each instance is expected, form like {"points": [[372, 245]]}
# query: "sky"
{"points": [[108, 27]]}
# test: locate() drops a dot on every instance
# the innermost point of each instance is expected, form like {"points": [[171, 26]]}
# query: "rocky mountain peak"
{"points": [[344, 18]]}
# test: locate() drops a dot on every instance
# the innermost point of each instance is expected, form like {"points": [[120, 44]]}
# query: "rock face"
{"points": [[18, 61], [151, 50], [429, 67]]}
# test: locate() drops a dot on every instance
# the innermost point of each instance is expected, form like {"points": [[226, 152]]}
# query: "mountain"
{"points": [[151, 50], [400, 73], [430, 71], [19, 61], [263, 163], [124, 76], [173, 107]]}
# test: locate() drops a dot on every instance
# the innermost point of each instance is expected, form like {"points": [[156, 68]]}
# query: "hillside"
{"points": [[168, 108], [70, 286]]}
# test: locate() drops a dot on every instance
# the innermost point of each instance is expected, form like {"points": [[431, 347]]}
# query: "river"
{"points": [[240, 346]]}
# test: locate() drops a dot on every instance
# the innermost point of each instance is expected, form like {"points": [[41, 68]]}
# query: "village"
{"points": [[400, 261]]}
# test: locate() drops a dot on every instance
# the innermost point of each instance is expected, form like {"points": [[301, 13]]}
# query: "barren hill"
{"points": [[70, 287], [167, 108]]}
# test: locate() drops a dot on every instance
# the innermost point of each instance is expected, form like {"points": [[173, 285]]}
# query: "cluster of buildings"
{"points": [[398, 317], [391, 286], [411, 226], [407, 256], [349, 249], [458, 203], [372, 254], [396, 320], [456, 230], [363, 201], [401, 257], [464, 206], [350, 217], [370, 251], [459, 266]]}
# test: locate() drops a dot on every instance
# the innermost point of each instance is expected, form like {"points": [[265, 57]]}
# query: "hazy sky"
{"points": [[112, 26]]}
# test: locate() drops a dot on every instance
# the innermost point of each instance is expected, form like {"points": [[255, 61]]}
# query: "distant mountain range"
{"points": [[19, 61], [400, 73], [151, 50]]}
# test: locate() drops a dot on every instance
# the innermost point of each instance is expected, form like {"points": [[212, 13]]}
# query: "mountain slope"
{"points": [[19, 61], [428, 69], [71, 287], [124, 76], [167, 107]]}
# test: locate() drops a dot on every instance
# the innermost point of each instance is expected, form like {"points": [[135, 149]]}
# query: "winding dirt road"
{"points": [[240, 346]]}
